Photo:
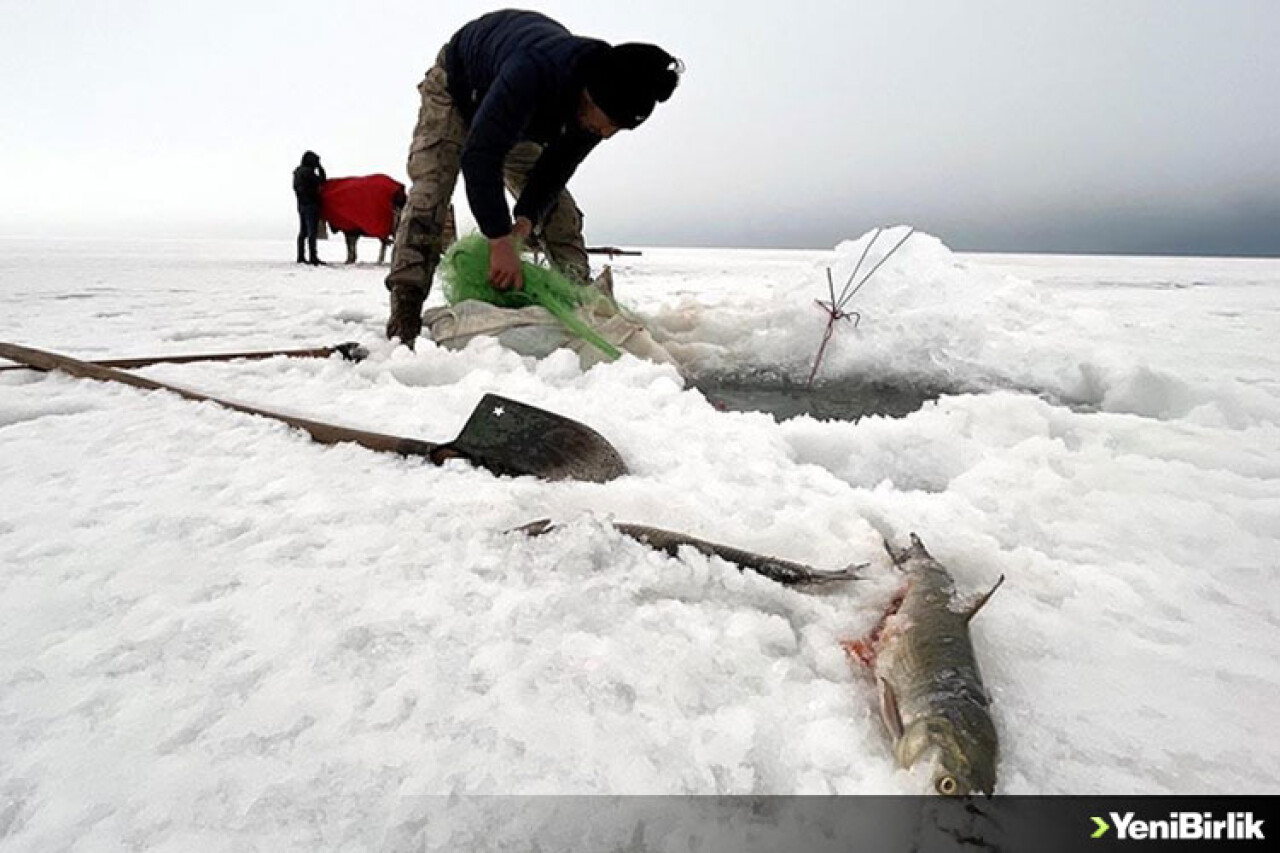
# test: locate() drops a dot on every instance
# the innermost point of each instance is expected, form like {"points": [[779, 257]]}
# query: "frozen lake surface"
{"points": [[216, 634]]}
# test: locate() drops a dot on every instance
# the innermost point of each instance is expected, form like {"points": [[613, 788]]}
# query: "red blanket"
{"points": [[365, 204]]}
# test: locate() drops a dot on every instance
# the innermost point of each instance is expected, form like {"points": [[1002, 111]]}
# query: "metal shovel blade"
{"points": [[510, 437]]}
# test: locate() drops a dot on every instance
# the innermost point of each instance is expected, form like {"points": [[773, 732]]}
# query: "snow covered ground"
{"points": [[216, 634]]}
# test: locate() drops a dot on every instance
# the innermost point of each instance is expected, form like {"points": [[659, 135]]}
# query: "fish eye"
{"points": [[947, 786]]}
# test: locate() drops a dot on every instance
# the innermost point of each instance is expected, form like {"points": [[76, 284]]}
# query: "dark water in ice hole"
{"points": [[845, 399]]}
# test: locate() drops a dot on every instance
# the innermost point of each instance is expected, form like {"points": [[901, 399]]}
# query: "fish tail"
{"points": [[971, 609], [916, 549]]}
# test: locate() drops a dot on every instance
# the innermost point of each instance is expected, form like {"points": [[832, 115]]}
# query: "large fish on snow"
{"points": [[932, 699]]}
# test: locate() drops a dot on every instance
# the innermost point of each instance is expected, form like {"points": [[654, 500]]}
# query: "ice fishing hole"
{"points": [[846, 399]]}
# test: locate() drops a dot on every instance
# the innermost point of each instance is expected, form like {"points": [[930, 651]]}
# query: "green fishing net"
{"points": [[464, 270]]}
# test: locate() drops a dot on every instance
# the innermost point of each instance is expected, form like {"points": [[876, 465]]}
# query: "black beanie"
{"points": [[628, 80]]}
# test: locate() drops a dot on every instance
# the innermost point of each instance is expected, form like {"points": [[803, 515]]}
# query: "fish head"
{"points": [[955, 765]]}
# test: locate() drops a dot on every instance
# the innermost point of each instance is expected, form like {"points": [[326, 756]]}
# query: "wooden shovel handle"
{"points": [[321, 432], [351, 351]]}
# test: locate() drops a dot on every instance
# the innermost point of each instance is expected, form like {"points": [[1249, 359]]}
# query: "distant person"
{"points": [[308, 178], [514, 98]]}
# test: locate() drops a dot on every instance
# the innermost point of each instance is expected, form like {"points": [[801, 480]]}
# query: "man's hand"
{"points": [[504, 257]]}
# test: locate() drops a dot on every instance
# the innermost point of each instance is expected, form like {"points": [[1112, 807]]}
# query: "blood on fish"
{"points": [[865, 649]]}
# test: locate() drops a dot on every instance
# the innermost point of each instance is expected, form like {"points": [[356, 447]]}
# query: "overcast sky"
{"points": [[1146, 126]]}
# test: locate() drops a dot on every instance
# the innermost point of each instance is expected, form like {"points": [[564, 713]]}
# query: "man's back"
{"points": [[547, 54]]}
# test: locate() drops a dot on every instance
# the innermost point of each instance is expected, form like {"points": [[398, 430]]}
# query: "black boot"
{"points": [[405, 321]]}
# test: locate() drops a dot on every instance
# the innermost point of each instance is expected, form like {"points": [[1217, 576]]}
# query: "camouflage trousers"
{"points": [[435, 158]]}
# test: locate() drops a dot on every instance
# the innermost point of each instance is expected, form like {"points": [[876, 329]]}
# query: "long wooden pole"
{"points": [[351, 351], [321, 432]]}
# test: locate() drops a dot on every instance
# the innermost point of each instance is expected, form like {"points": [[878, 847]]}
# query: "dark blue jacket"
{"points": [[514, 76]]}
